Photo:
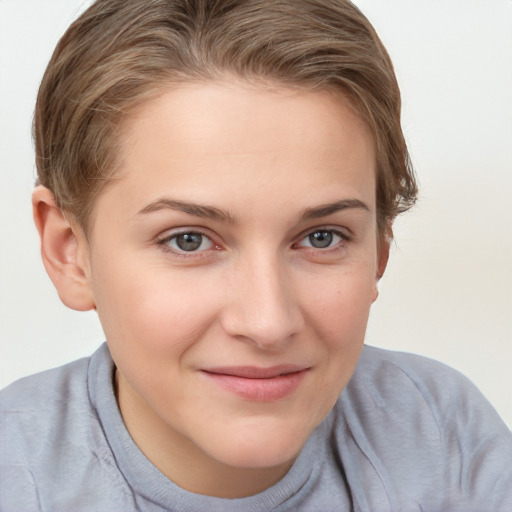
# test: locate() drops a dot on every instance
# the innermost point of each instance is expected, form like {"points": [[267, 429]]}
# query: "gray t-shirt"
{"points": [[407, 434]]}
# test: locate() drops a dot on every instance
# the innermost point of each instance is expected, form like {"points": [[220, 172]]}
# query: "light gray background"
{"points": [[447, 293]]}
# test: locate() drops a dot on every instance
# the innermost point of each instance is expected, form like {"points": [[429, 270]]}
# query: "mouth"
{"points": [[258, 384]]}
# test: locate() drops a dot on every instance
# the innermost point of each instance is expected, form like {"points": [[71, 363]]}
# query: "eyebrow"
{"points": [[328, 209], [211, 212], [204, 211]]}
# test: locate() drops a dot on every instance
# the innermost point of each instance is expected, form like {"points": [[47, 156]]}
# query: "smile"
{"points": [[258, 384]]}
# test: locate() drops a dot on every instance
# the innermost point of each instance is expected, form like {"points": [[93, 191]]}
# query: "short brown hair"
{"points": [[120, 52]]}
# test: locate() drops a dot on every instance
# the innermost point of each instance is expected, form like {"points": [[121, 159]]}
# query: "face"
{"points": [[233, 264]]}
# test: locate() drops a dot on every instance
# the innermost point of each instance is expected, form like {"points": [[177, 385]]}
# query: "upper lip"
{"points": [[255, 372]]}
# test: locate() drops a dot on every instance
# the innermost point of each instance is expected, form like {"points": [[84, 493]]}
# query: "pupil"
{"points": [[321, 239], [189, 241]]}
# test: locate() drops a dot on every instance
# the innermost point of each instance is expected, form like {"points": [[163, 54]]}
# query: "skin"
{"points": [[255, 293]]}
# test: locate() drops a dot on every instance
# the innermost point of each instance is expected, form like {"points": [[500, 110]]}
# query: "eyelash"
{"points": [[344, 238], [163, 243]]}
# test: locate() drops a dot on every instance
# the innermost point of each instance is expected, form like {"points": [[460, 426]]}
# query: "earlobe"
{"points": [[64, 251]]}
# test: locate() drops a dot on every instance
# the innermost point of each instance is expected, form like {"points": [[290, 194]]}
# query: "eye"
{"points": [[188, 242], [322, 239]]}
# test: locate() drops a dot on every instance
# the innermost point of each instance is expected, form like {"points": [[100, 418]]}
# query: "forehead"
{"points": [[194, 111], [201, 141]]}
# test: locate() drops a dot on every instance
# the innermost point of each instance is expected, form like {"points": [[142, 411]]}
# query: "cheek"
{"points": [[152, 309], [339, 305]]}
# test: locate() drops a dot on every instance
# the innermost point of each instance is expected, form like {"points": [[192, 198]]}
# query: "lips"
{"points": [[258, 384]]}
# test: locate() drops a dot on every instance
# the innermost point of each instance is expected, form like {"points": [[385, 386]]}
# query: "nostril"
{"points": [[267, 328]]}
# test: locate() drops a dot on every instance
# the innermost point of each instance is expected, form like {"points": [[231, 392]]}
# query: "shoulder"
{"points": [[34, 391], [376, 362], [33, 413], [403, 377], [40, 407], [423, 426], [53, 450], [45, 395], [409, 386]]}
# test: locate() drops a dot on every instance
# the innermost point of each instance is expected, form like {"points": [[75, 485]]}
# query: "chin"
{"points": [[261, 446]]}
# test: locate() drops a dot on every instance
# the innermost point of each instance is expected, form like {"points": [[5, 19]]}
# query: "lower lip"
{"points": [[259, 390]]}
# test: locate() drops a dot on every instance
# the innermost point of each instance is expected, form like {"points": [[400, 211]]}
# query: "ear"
{"points": [[383, 246], [64, 251]]}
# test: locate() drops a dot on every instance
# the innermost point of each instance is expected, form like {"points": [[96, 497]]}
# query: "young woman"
{"points": [[218, 180]]}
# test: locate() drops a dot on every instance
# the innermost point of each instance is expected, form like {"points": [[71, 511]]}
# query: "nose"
{"points": [[262, 306]]}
